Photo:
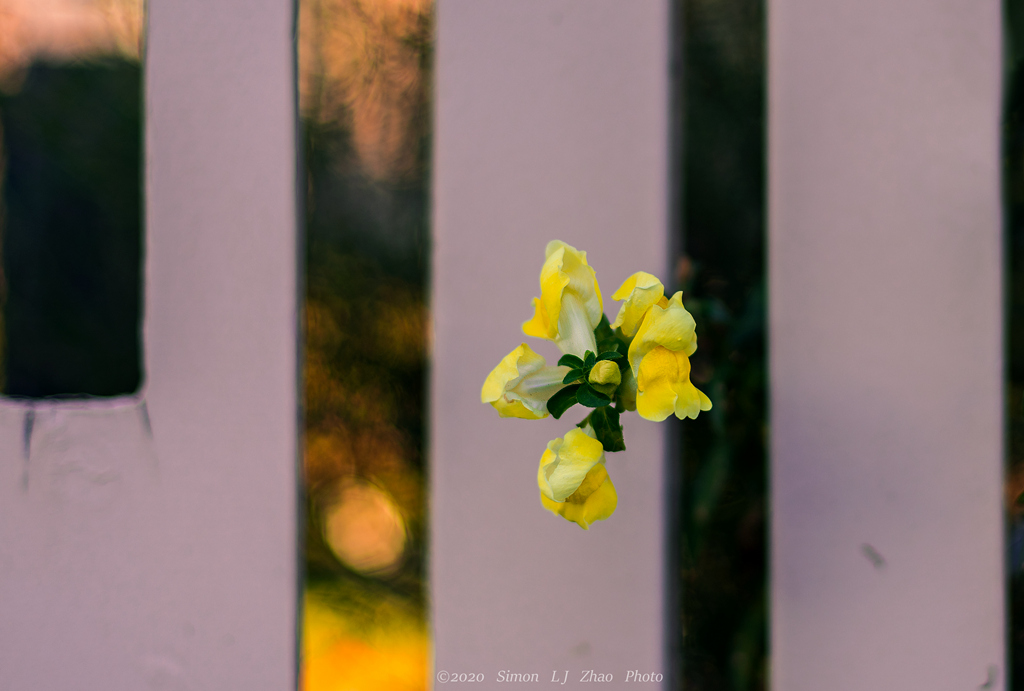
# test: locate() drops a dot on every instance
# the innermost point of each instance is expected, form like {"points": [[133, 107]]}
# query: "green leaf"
{"points": [[604, 333], [572, 376], [609, 339], [589, 359], [562, 401], [570, 360], [590, 398], [610, 355], [607, 428]]}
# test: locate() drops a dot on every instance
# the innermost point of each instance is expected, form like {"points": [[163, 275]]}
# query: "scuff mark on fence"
{"points": [[26, 442], [146, 424], [876, 559]]}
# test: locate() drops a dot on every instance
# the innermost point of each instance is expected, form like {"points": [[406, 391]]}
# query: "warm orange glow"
{"points": [[336, 658], [350, 413], [361, 62], [66, 30], [363, 83], [351, 664], [364, 528]]}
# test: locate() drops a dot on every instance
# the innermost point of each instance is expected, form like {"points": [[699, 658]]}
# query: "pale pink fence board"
{"points": [[886, 344], [151, 541], [551, 121]]}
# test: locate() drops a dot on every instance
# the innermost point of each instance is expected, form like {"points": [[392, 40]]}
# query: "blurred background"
{"points": [[71, 209], [722, 535], [364, 94], [1013, 198]]}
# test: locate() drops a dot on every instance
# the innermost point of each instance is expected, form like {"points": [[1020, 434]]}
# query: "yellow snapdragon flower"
{"points": [[573, 480], [659, 359], [664, 387], [569, 307], [638, 362], [521, 384]]}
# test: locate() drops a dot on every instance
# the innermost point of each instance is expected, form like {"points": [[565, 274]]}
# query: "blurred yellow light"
{"points": [[335, 657]]}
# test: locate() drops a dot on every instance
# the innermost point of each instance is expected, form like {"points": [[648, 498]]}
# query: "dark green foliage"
{"points": [[72, 233], [587, 396], [569, 360], [583, 392], [572, 376], [722, 554], [1013, 199], [607, 429], [608, 339], [1016, 613], [563, 400]]}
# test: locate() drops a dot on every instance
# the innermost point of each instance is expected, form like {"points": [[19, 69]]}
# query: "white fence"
{"points": [[154, 545], [152, 542]]}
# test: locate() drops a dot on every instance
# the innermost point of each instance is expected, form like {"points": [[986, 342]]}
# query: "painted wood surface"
{"points": [[551, 121], [886, 344], [151, 542]]}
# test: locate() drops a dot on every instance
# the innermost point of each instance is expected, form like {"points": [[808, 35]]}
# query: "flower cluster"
{"points": [[640, 362]]}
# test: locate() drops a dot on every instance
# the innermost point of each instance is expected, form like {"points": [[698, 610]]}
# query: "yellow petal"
{"points": [[566, 462], [664, 387], [499, 387], [540, 325], [565, 275], [691, 401], [640, 291], [583, 281], [594, 500], [669, 326]]}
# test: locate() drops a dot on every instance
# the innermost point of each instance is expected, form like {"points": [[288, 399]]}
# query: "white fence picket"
{"points": [[886, 344], [154, 544], [551, 122]]}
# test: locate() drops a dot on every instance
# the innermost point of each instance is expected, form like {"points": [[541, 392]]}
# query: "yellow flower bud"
{"points": [[605, 377], [605, 372]]}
